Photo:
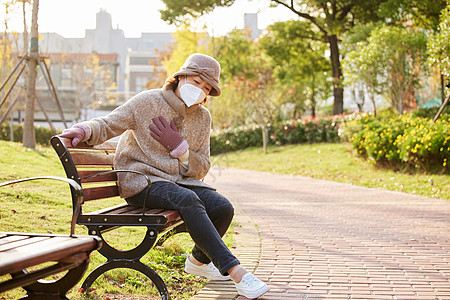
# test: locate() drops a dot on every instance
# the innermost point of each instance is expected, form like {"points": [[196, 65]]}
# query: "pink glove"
{"points": [[78, 133], [168, 135]]}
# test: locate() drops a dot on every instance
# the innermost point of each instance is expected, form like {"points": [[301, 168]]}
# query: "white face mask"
{"points": [[190, 94]]}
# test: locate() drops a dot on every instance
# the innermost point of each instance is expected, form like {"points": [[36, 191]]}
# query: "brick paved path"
{"points": [[327, 240]]}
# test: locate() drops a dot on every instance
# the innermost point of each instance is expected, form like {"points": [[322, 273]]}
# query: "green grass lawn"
{"points": [[334, 162], [46, 207]]}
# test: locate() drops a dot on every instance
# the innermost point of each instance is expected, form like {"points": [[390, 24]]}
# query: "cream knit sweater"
{"points": [[137, 150]]}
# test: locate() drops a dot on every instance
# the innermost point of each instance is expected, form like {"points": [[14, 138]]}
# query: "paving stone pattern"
{"points": [[326, 240]]}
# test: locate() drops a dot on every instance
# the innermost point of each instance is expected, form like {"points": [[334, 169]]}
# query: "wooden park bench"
{"points": [[92, 167], [26, 259]]}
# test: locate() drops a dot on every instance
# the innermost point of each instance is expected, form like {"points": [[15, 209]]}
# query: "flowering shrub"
{"points": [[425, 146], [288, 132], [236, 138], [406, 141]]}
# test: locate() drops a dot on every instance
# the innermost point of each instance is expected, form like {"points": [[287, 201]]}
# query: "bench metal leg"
{"points": [[135, 265], [126, 259], [136, 253], [56, 289]]}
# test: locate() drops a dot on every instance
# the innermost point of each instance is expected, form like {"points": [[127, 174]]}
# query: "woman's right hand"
{"points": [[78, 133]]}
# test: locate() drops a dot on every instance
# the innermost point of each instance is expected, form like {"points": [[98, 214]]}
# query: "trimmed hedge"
{"points": [[408, 141], [289, 132], [43, 134]]}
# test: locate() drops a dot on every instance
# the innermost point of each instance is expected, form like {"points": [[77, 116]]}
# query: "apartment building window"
{"points": [[139, 61], [148, 44], [66, 77], [140, 82]]}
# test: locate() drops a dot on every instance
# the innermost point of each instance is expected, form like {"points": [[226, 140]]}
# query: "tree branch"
{"points": [[300, 14], [344, 11]]}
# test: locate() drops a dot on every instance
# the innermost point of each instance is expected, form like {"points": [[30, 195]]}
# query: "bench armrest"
{"points": [[149, 183], [76, 188]]}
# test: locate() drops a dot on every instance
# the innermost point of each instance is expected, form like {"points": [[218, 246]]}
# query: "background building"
{"points": [[104, 39], [96, 73]]}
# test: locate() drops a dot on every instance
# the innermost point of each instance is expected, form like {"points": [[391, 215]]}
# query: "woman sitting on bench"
{"points": [[166, 134]]}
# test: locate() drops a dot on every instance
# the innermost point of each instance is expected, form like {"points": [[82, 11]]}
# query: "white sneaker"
{"points": [[206, 270], [251, 287]]}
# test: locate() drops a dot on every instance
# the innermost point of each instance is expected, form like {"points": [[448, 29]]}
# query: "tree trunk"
{"points": [[338, 90], [11, 127], [29, 137], [25, 29], [399, 106], [313, 108], [265, 136], [372, 99], [25, 51], [313, 98], [5, 42]]}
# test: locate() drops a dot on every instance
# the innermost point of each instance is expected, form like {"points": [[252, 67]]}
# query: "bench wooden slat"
{"points": [[100, 178], [22, 242], [139, 210], [8, 239], [132, 210], [108, 145], [171, 215], [100, 192], [128, 209], [123, 220], [93, 159], [50, 249], [136, 210], [125, 208]]}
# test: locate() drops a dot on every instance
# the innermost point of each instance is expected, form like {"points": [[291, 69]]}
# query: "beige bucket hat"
{"points": [[204, 66]]}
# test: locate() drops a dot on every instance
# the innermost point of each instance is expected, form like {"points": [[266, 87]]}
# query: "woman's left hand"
{"points": [[165, 133]]}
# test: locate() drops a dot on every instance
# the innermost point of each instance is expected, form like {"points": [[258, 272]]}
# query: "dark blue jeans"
{"points": [[206, 214]]}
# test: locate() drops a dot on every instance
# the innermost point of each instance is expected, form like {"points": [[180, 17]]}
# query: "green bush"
{"points": [[43, 134], [424, 146], [236, 138], [406, 141], [430, 112], [288, 132]]}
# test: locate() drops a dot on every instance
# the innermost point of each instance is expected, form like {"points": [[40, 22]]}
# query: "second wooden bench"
{"points": [[27, 259]]}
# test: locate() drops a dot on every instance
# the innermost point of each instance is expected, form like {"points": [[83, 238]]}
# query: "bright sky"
{"points": [[70, 18]]}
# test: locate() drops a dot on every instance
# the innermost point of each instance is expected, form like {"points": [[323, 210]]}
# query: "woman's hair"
{"points": [[172, 82]]}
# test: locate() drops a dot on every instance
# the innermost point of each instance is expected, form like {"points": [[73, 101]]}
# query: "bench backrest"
{"points": [[83, 161]]}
